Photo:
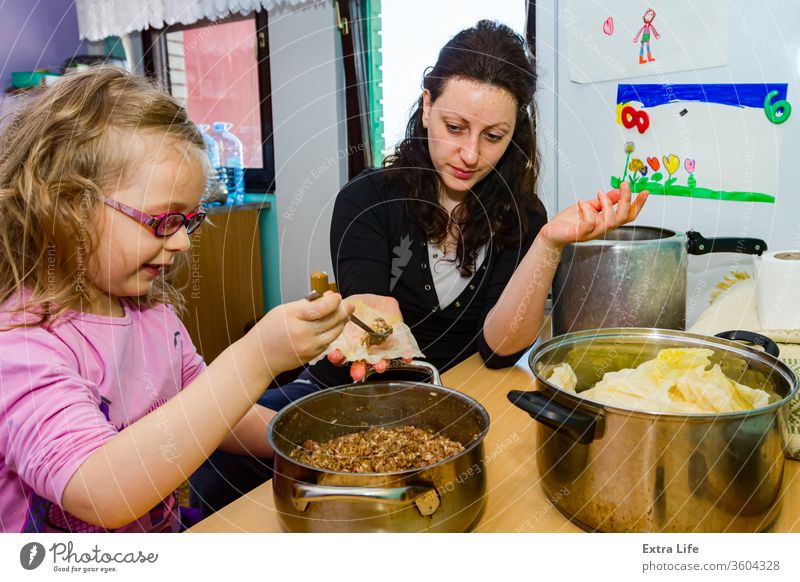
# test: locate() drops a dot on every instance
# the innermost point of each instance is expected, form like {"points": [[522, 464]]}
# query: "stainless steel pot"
{"points": [[619, 470], [634, 277], [445, 497]]}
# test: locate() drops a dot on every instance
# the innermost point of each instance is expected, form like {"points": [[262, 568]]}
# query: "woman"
{"points": [[451, 227], [450, 231]]}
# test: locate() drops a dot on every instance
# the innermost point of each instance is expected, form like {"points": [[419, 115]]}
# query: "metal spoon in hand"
{"points": [[376, 337]]}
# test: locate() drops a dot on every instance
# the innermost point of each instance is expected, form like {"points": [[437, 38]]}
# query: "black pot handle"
{"points": [[697, 244], [751, 337], [579, 426]]}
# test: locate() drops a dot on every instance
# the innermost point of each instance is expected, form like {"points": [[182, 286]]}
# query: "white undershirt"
{"points": [[447, 280]]}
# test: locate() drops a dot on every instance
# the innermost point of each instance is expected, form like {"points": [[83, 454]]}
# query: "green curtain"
{"points": [[112, 46], [372, 18]]}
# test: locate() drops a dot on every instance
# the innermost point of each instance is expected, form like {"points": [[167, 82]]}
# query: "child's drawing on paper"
{"points": [[688, 35], [644, 34], [702, 141]]}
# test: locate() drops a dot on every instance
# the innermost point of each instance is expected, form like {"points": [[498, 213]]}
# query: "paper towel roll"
{"points": [[778, 289]]}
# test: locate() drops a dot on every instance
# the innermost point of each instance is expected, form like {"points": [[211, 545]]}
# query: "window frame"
{"points": [[358, 146], [156, 66], [530, 26], [370, 10]]}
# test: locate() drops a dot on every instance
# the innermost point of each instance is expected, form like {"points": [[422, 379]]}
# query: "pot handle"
{"points": [[424, 497], [418, 365], [579, 426], [751, 337], [697, 244]]}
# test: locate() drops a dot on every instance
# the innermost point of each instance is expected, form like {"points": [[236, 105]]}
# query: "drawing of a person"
{"points": [[644, 33]]}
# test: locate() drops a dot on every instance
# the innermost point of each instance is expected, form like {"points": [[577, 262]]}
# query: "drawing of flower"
{"points": [[636, 165], [629, 147], [690, 165], [653, 162], [671, 165]]}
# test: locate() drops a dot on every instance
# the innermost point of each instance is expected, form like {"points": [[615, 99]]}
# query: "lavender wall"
{"points": [[36, 35]]}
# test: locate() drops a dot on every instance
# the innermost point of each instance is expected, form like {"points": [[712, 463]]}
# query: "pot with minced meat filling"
{"points": [[378, 450], [380, 456]]}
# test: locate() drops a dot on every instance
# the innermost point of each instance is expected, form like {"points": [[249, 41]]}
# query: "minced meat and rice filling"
{"points": [[378, 450]]}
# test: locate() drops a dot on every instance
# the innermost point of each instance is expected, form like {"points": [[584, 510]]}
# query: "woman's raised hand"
{"points": [[591, 219]]}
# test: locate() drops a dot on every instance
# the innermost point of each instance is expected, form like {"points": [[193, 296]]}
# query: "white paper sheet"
{"points": [[684, 35]]}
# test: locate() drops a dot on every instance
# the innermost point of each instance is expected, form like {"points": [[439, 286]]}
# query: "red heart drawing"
{"points": [[654, 163], [608, 26]]}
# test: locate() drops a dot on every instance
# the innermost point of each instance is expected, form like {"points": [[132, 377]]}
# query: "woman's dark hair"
{"points": [[501, 203]]}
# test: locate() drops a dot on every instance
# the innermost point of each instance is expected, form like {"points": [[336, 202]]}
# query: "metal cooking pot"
{"points": [[445, 497], [625, 470], [634, 277]]}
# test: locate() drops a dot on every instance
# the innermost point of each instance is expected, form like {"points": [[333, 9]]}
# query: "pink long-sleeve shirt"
{"points": [[66, 391]]}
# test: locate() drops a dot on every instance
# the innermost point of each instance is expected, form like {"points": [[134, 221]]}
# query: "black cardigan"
{"points": [[376, 248]]}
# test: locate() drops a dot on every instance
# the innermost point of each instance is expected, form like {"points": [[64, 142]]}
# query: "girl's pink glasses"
{"points": [[163, 225]]}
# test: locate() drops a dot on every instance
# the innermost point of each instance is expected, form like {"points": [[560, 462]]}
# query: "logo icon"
{"points": [[31, 555], [402, 254]]}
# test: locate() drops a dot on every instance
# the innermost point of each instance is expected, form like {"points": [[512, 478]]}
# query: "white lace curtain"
{"points": [[98, 19]]}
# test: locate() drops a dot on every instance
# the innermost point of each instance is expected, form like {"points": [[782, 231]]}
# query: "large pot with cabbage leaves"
{"points": [[610, 466]]}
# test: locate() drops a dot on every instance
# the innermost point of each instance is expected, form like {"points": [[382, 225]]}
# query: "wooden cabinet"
{"points": [[222, 286]]}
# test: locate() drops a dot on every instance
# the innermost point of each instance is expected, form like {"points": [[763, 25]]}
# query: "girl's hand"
{"points": [[389, 306], [592, 219], [294, 333]]}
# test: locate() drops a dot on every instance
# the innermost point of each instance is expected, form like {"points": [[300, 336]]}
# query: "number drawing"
{"points": [[608, 26]]}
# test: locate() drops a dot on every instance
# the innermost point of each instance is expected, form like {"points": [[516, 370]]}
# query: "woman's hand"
{"points": [[591, 219], [387, 305]]}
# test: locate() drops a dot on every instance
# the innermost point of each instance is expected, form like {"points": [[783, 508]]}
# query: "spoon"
{"points": [[376, 337]]}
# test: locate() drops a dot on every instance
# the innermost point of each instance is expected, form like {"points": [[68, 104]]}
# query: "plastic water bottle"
{"points": [[231, 156], [216, 179]]}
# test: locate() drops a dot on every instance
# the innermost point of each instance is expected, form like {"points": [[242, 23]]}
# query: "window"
{"points": [[402, 63], [220, 72]]}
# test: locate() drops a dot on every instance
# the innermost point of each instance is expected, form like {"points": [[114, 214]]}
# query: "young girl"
{"points": [[105, 405]]}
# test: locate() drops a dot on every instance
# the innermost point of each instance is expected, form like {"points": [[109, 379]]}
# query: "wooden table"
{"points": [[515, 500]]}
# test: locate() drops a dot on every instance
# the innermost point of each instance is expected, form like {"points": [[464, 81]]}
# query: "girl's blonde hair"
{"points": [[55, 164]]}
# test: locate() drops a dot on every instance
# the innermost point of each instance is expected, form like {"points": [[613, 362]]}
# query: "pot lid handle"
{"points": [[697, 244], [751, 337]]}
